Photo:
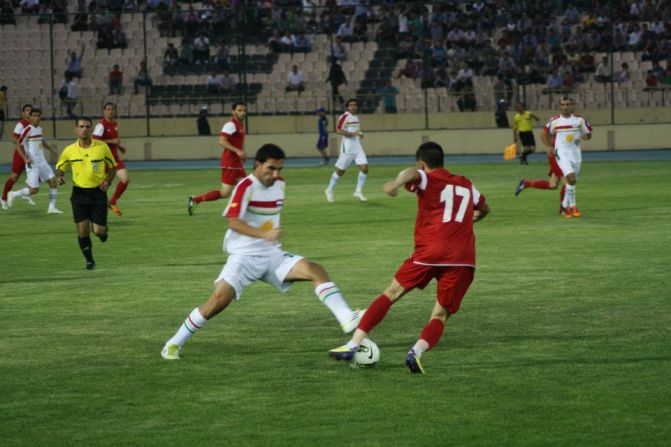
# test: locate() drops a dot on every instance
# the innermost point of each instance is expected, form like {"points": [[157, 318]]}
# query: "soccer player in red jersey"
{"points": [[232, 139], [448, 204], [18, 163], [107, 131], [554, 173]]}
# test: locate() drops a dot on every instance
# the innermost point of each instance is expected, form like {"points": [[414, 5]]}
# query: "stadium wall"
{"points": [[383, 134]]}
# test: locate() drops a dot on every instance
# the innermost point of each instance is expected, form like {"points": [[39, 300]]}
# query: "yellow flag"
{"points": [[510, 152]]}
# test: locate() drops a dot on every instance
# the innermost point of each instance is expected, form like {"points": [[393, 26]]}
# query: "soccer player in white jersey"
{"points": [[29, 146], [255, 253], [350, 151], [567, 130]]}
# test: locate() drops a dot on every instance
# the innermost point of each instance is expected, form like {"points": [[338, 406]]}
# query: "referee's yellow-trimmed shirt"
{"points": [[89, 164], [522, 122]]}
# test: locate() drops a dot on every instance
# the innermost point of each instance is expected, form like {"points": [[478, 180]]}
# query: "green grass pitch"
{"points": [[563, 339]]}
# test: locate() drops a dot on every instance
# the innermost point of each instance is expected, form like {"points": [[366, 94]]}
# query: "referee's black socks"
{"points": [[86, 247]]}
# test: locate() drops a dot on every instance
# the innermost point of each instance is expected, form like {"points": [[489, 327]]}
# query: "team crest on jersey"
{"points": [[569, 138], [234, 205]]}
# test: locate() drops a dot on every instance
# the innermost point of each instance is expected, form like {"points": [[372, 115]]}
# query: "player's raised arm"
{"points": [[405, 176]]}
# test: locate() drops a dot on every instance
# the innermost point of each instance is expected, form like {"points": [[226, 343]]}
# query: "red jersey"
{"points": [[444, 227], [20, 126], [108, 130], [234, 132]]}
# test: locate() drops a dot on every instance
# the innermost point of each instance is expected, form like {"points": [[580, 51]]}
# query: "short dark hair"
{"points": [[430, 153], [108, 104], [35, 110], [268, 151], [83, 118], [351, 100], [26, 106], [238, 103]]}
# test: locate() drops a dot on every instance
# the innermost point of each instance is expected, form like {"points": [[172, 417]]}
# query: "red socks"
{"points": [[120, 188], [208, 197], [375, 313], [538, 184], [8, 187], [431, 332]]}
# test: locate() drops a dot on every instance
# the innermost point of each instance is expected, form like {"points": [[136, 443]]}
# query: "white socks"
{"points": [[420, 347], [329, 294], [569, 196], [360, 181], [52, 197], [333, 182], [191, 325]]}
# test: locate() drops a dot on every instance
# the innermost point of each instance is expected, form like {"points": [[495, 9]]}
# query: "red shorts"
{"points": [[118, 162], [230, 176], [18, 163], [554, 167], [453, 282]]}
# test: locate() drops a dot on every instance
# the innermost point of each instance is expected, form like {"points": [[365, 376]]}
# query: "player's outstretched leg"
{"points": [[520, 187], [413, 362]]}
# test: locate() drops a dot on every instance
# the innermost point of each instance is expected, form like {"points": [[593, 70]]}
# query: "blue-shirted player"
{"points": [[323, 141]]}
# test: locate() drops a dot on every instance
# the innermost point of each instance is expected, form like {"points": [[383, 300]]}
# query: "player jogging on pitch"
{"points": [[29, 146], [232, 140], [351, 150], [18, 163], [563, 134], [255, 253], [107, 131], [447, 206]]}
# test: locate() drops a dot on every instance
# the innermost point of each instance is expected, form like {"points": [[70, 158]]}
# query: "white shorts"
{"points": [[569, 162], [37, 172], [344, 160], [241, 271]]}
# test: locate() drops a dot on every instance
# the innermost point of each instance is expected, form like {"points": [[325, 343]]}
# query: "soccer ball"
{"points": [[367, 355]]}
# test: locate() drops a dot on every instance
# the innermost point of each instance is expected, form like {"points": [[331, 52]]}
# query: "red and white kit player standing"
{"points": [[351, 150], [448, 204], [107, 131], [255, 253], [232, 140], [18, 163], [567, 130]]}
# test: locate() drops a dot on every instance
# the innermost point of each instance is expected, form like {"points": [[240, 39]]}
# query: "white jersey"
{"points": [[349, 123], [258, 206], [31, 140], [567, 133]]}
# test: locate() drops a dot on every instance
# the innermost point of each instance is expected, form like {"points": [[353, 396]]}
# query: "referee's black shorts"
{"points": [[89, 204], [527, 138]]}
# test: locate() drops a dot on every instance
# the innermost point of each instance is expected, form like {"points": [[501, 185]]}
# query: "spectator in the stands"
{"points": [[651, 81], [338, 49], [427, 75], [657, 70], [74, 64], [202, 123], [295, 80], [464, 78], [227, 82], [142, 79], [388, 93], [555, 81], [274, 43], [45, 14], [223, 57], [68, 94], [214, 82], [7, 13], [623, 75], [29, 6], [442, 76], [635, 41], [568, 80], [336, 78], [186, 52], [301, 43], [115, 80], [170, 56], [201, 49], [438, 54], [346, 29], [409, 70], [602, 73], [287, 42]]}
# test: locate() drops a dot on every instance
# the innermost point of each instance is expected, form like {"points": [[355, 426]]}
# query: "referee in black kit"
{"points": [[92, 166]]}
